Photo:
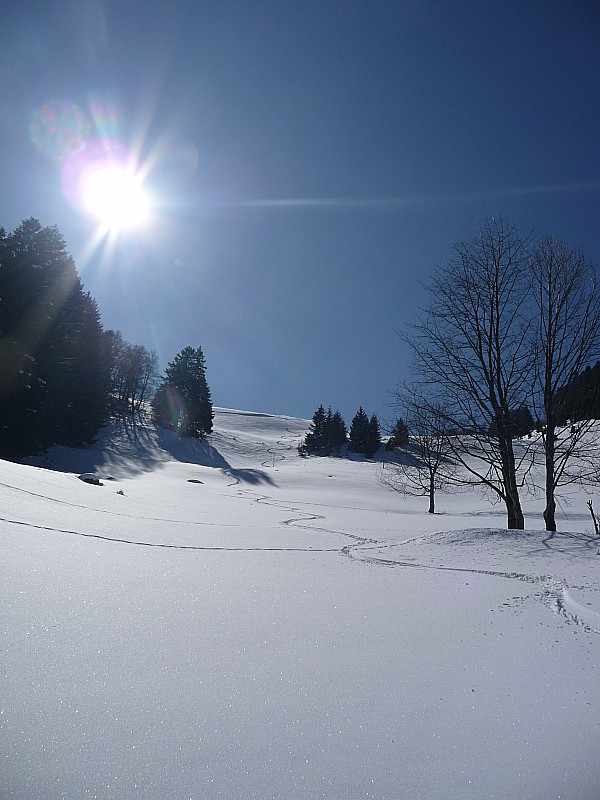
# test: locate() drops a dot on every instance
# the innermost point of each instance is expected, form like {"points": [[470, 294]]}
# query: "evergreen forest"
{"points": [[61, 374]]}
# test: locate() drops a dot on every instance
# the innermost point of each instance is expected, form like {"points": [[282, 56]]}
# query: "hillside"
{"points": [[226, 619]]}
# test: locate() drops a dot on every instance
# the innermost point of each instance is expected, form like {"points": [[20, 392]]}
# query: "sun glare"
{"points": [[115, 195]]}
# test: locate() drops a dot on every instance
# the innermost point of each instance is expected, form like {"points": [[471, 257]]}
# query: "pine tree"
{"points": [[359, 432], [80, 408], [53, 389], [183, 401], [398, 436], [314, 441], [522, 421], [374, 440], [336, 432], [365, 436]]}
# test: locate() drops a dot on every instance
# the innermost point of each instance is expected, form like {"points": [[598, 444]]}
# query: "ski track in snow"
{"points": [[554, 595], [573, 611]]}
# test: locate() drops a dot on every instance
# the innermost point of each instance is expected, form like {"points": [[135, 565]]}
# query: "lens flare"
{"points": [[100, 176], [171, 409], [58, 129]]}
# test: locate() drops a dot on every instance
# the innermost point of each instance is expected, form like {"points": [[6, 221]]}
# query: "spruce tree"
{"points": [[374, 440], [54, 386], [183, 401], [398, 436], [365, 436], [314, 441], [359, 432], [326, 434], [337, 432]]}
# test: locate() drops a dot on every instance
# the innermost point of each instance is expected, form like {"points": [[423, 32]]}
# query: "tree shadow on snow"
{"points": [[125, 448], [570, 543], [252, 476], [191, 451]]}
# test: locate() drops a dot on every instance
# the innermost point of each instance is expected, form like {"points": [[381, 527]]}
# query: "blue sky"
{"points": [[309, 163]]}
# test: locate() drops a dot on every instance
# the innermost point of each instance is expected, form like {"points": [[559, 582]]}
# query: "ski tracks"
{"points": [[554, 593]]}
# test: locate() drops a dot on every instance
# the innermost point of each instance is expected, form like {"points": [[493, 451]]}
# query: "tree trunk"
{"points": [[549, 513], [515, 518], [550, 510], [431, 509]]}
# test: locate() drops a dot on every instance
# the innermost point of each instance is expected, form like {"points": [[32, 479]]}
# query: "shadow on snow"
{"points": [[126, 447]]}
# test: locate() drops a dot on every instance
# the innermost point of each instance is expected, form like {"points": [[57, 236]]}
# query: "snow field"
{"points": [[287, 628]]}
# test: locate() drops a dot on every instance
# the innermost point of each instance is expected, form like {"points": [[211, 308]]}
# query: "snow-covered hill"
{"points": [[226, 619]]}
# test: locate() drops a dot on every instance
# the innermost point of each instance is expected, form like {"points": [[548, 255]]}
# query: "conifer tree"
{"points": [[398, 436], [54, 383], [314, 442], [521, 423], [336, 431], [365, 436], [359, 432], [374, 440], [183, 401], [326, 434]]}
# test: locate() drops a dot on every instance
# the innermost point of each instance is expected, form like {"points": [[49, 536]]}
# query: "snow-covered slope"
{"points": [[226, 619]]}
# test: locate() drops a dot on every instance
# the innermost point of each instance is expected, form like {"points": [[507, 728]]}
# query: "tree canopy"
{"points": [[365, 436], [327, 433], [183, 401], [55, 378]]}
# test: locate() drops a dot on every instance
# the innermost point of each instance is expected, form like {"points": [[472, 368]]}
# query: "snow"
{"points": [[226, 619]]}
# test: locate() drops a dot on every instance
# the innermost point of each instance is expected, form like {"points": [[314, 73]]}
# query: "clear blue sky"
{"points": [[310, 163]]}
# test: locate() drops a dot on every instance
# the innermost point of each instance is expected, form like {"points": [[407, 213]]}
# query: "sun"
{"points": [[115, 195]]}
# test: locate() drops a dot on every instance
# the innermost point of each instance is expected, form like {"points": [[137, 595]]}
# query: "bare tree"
{"points": [[143, 374], [134, 373], [568, 339], [474, 356], [424, 464]]}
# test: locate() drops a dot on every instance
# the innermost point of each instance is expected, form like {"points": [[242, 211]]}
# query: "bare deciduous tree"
{"points": [[134, 372], [568, 339], [473, 353], [424, 464], [142, 375]]}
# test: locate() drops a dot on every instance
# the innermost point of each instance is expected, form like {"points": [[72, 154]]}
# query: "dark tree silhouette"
{"points": [[521, 423], [473, 350], [335, 433], [374, 437], [314, 441], [359, 431], [398, 436], [183, 401], [425, 464], [365, 436], [55, 377], [134, 373], [566, 294], [326, 435]]}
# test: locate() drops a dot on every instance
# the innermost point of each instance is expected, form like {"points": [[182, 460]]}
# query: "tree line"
{"points": [[327, 434], [61, 373]]}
